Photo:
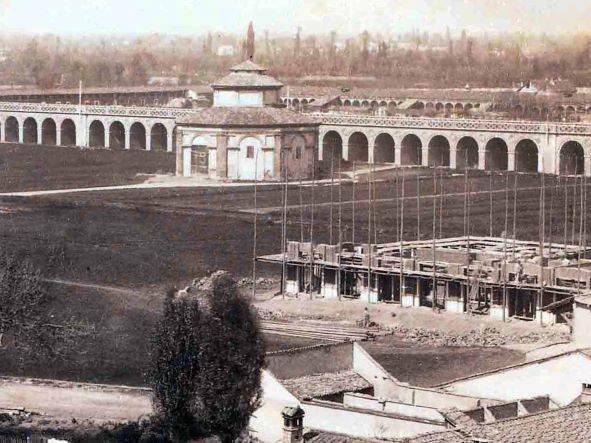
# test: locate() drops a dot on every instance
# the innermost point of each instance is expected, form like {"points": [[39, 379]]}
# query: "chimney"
{"points": [[293, 424], [586, 393]]}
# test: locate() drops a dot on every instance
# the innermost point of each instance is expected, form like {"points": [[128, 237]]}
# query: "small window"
{"points": [[298, 152], [97, 102], [250, 152]]}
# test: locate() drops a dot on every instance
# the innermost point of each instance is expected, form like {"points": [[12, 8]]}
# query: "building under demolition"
{"points": [[500, 277]]}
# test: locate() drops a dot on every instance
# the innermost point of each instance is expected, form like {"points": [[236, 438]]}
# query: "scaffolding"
{"points": [[479, 275]]}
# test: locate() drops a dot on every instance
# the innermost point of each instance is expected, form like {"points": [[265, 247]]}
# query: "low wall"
{"points": [[334, 417], [313, 360], [363, 401]]}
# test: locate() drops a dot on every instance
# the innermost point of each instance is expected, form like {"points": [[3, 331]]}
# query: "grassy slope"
{"points": [[31, 167]]}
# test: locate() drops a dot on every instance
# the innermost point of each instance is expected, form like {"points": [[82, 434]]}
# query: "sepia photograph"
{"points": [[295, 221]]}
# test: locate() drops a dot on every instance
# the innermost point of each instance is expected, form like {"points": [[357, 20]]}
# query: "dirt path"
{"points": [[122, 291], [74, 400]]}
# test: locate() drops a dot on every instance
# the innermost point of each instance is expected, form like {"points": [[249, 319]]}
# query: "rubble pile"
{"points": [[485, 337], [263, 283], [265, 314]]}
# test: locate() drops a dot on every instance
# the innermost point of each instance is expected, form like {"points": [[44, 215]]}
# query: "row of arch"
{"points": [[527, 152], [366, 103], [48, 135], [444, 106]]}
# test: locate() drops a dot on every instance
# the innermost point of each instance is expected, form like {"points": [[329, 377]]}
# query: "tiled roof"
{"points": [[450, 436], [247, 80], [247, 116], [318, 385], [248, 66], [566, 425], [330, 437]]}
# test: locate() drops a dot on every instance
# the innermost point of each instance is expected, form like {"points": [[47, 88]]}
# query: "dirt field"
{"points": [[31, 167], [151, 240]]}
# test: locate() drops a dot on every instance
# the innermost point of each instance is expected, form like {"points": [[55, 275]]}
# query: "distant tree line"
{"points": [[411, 59]]}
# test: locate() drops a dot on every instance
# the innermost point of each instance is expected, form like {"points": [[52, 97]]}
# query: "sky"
{"points": [[191, 17]]}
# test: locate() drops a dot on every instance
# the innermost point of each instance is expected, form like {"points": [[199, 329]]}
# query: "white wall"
{"points": [[237, 98], [561, 378], [266, 423], [362, 423]]}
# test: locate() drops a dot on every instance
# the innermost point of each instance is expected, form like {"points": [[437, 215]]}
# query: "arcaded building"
{"points": [[247, 134]]}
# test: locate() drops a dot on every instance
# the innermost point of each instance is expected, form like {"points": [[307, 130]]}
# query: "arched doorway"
{"points": [[358, 147], [572, 158], [411, 150], [68, 131], [467, 153], [526, 156], [439, 151], [137, 136], [332, 148], [96, 133], [48, 132], [11, 130], [30, 131], [497, 157], [117, 136], [158, 137], [384, 149]]}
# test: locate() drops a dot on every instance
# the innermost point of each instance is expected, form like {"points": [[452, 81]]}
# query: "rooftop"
{"points": [[247, 116], [248, 66], [247, 79], [330, 383]]}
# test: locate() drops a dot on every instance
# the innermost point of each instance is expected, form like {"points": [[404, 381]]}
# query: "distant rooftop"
{"points": [[248, 66], [247, 116]]}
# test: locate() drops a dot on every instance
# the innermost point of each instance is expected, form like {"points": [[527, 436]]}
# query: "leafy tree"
{"points": [[231, 359], [26, 316], [22, 298], [207, 360], [175, 364]]}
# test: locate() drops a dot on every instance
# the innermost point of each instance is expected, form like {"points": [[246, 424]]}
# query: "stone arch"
{"points": [[295, 102], [430, 106], [449, 106], [468, 106], [384, 149], [158, 137], [48, 132], [572, 158], [438, 151], [420, 105], [439, 106], [30, 131], [459, 107], [374, 104], [96, 134], [68, 132], [332, 147], [467, 153], [117, 135], [526, 156], [411, 150], [11, 128], [358, 147], [304, 102], [137, 136], [364, 103], [356, 103], [347, 102], [384, 103], [497, 154]]}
